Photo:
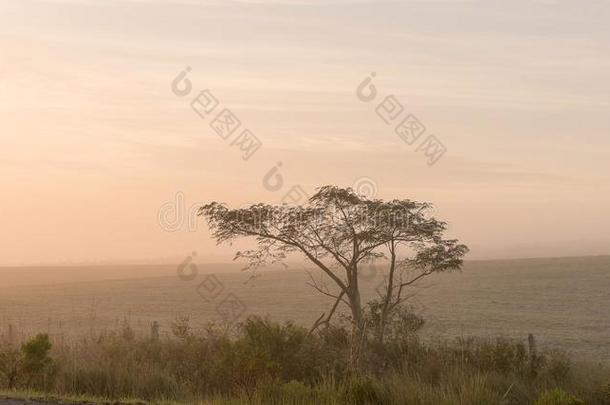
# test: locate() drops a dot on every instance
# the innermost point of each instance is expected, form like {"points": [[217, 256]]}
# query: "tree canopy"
{"points": [[339, 231]]}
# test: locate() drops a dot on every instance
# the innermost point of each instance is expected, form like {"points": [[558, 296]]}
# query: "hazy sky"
{"points": [[94, 142]]}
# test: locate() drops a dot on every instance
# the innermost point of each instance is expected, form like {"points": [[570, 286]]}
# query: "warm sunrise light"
{"points": [[392, 175]]}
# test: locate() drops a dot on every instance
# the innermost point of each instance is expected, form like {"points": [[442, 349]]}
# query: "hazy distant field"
{"points": [[564, 302]]}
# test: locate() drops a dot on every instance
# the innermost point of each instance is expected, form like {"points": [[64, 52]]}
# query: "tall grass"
{"points": [[262, 362]]}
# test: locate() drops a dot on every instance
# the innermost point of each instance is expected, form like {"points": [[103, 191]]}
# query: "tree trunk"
{"points": [[356, 309], [386, 302], [357, 326]]}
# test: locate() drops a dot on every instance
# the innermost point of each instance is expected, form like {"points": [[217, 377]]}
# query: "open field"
{"points": [[564, 302]]}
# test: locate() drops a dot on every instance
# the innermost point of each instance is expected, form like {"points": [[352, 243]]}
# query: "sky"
{"points": [[96, 146]]}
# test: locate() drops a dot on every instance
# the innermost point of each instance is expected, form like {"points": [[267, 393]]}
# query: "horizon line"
{"points": [[140, 264]]}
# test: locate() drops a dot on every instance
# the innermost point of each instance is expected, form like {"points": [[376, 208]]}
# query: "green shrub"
{"points": [[502, 355], [283, 351], [31, 366], [36, 354]]}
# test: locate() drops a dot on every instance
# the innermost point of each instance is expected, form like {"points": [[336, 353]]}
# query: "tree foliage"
{"points": [[339, 231]]}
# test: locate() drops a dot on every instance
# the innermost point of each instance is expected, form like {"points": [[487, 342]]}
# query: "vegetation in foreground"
{"points": [[268, 363]]}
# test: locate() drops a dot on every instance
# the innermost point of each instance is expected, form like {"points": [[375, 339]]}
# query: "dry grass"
{"points": [[267, 363]]}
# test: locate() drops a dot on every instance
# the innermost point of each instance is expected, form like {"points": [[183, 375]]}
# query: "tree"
{"points": [[338, 231]]}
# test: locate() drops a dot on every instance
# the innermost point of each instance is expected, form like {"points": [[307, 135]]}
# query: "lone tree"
{"points": [[339, 231]]}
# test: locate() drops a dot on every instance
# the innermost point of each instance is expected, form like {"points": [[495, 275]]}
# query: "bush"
{"points": [[283, 351], [502, 355], [36, 354], [31, 366]]}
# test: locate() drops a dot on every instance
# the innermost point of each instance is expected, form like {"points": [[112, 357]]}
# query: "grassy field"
{"points": [[564, 302], [473, 348], [266, 363]]}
